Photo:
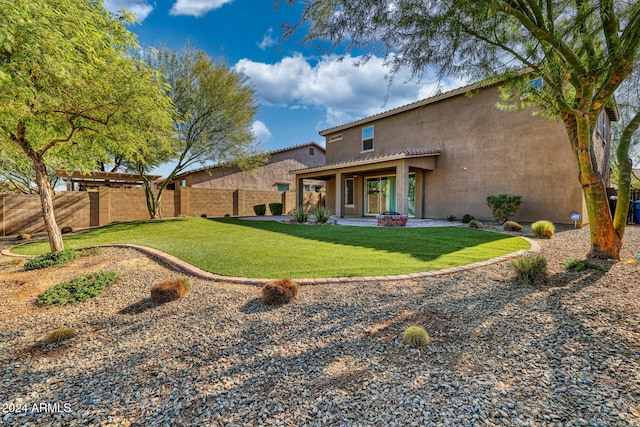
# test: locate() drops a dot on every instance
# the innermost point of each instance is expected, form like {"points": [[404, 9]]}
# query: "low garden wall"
{"points": [[22, 213]]}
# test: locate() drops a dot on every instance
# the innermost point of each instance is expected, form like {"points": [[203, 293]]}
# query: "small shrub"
{"points": [[59, 335], [475, 224], [23, 236], [95, 250], [50, 259], [543, 229], [16, 261], [581, 265], [279, 291], [451, 218], [169, 290], [416, 337], [504, 206], [260, 209], [66, 230], [530, 270], [467, 218], [299, 216], [511, 226], [322, 215], [203, 215], [77, 290], [275, 208]]}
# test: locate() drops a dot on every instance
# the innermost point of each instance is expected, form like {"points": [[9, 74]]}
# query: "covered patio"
{"points": [[369, 187]]}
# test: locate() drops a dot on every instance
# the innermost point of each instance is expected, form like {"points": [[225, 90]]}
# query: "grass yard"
{"points": [[269, 249]]}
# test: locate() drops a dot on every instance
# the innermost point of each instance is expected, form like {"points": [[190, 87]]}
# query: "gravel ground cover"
{"points": [[501, 355]]}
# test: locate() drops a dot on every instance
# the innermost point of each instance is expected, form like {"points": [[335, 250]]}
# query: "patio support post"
{"points": [[339, 195], [402, 188], [299, 193]]}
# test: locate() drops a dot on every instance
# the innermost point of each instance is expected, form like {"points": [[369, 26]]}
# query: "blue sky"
{"points": [[300, 90]]}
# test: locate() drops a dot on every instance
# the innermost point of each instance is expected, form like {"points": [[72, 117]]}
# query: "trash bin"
{"points": [[636, 211], [613, 201]]}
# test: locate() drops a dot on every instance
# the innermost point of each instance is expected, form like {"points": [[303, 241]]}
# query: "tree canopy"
{"points": [[215, 111], [70, 92], [581, 49]]}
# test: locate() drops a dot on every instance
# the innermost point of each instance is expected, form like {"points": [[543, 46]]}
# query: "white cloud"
{"points": [[260, 131], [267, 40], [345, 91], [140, 8], [196, 8]]}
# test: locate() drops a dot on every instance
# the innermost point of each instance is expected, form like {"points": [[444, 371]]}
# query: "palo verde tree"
{"points": [[626, 141], [581, 49], [69, 90], [215, 113]]}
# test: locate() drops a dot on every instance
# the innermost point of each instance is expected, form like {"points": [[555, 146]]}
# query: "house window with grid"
{"points": [[367, 138]]}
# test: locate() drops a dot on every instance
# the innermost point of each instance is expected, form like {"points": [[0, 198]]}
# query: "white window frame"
{"points": [[372, 138], [346, 193]]}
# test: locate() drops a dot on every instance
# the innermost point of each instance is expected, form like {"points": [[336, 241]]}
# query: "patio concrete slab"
{"points": [[360, 221]]}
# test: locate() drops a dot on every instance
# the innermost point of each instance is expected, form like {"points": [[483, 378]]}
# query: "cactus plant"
{"points": [[59, 335], [416, 337], [279, 291], [169, 290], [511, 226]]}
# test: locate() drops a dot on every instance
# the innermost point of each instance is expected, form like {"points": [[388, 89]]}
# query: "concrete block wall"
{"points": [[20, 213]]}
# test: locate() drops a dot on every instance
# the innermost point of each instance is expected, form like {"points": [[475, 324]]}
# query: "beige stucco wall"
{"points": [[484, 151]]}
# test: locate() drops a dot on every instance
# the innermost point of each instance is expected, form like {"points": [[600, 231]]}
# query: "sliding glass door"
{"points": [[381, 194]]}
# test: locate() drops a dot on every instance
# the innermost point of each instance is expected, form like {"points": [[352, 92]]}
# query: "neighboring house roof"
{"points": [[612, 112], [98, 177], [270, 153], [406, 154]]}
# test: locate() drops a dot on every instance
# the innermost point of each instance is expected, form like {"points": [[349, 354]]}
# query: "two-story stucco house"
{"points": [[444, 155]]}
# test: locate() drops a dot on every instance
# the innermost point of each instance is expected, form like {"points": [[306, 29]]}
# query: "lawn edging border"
{"points": [[198, 272]]}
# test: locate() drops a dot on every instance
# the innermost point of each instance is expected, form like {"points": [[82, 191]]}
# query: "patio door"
{"points": [[381, 195]]}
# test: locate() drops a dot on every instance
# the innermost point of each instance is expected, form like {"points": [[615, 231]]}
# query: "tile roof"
{"points": [[270, 153], [405, 154]]}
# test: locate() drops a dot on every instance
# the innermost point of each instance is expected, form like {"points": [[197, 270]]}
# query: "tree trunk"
{"points": [[46, 199], [605, 241], [625, 165]]}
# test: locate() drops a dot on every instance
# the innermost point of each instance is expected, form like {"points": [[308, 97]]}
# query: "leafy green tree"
{"points": [[581, 49], [70, 93], [215, 112]]}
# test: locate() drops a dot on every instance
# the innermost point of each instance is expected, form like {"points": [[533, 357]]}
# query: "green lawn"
{"points": [[269, 249]]}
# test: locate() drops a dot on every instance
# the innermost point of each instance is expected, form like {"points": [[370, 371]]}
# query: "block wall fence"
{"points": [[22, 213]]}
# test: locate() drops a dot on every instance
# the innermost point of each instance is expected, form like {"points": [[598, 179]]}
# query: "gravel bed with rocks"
{"points": [[502, 354]]}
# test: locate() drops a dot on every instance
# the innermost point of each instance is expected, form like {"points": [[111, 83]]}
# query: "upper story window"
{"points": [[367, 138], [311, 151]]}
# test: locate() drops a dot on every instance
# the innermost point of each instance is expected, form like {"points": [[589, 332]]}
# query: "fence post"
{"points": [[104, 205]]}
